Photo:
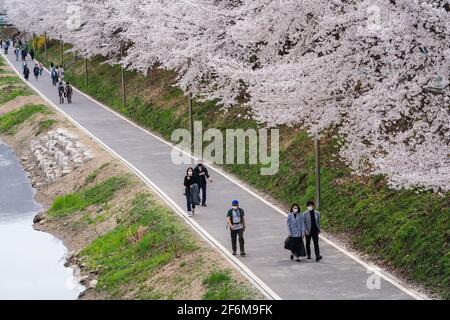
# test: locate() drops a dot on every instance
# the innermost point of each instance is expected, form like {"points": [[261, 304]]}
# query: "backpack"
{"points": [[230, 214]]}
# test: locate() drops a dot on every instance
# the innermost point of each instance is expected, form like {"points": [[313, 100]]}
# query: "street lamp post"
{"points": [[45, 47], [124, 101], [191, 116], [61, 51], [317, 156], [86, 72]]}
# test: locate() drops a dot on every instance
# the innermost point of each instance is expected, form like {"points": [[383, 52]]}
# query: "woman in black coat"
{"points": [[26, 72], [190, 187]]}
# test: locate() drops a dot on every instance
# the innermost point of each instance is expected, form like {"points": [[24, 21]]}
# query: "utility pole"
{"points": [[191, 116], [86, 72], [61, 51], [45, 47], [317, 153], [124, 100]]}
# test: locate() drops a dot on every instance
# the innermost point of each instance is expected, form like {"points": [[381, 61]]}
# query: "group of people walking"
{"points": [[300, 225], [65, 91], [303, 225]]}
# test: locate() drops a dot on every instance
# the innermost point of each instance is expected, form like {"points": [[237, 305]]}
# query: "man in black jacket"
{"points": [[202, 175]]}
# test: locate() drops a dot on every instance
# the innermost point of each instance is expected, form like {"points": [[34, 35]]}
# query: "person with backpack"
{"points": [[54, 76], [236, 223], [191, 191], [296, 232], [24, 53], [68, 92], [311, 218], [17, 52], [36, 71], [26, 72], [61, 92]]}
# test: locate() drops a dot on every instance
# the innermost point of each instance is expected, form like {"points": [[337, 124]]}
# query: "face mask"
{"points": [[310, 208], [235, 207], [295, 210]]}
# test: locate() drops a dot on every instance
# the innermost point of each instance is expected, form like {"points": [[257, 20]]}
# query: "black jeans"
{"points": [[234, 235], [202, 187], [315, 237], [190, 203]]}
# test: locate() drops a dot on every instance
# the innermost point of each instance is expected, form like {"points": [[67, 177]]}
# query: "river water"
{"points": [[31, 262]]}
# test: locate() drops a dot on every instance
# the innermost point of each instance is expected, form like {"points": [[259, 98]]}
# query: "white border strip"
{"points": [[244, 270], [374, 269]]}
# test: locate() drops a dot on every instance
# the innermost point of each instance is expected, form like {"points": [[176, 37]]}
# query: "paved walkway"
{"points": [[337, 276]]}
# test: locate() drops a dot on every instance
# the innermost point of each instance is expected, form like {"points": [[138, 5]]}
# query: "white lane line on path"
{"points": [[243, 269], [374, 269]]}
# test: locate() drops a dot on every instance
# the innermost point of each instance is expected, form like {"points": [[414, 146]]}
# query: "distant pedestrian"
{"points": [[32, 54], [61, 73], [68, 92], [54, 76], [41, 69], [236, 222], [36, 71], [61, 92], [24, 53], [17, 52], [191, 191], [311, 218], [26, 72], [296, 232], [201, 172]]}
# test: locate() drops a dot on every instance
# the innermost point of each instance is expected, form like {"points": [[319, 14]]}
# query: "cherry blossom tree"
{"points": [[374, 72]]}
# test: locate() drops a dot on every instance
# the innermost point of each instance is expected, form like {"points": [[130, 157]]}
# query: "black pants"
{"points": [[202, 187], [190, 203], [234, 235], [61, 99], [315, 237], [69, 98]]}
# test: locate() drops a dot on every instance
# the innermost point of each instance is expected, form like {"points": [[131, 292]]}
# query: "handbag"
{"points": [[287, 245]]}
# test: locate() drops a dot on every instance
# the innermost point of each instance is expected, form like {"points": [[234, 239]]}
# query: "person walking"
{"points": [[17, 52], [24, 53], [36, 71], [296, 232], [61, 73], [54, 76], [311, 219], [26, 72], [191, 191], [236, 223], [32, 54], [68, 92], [41, 69], [201, 172], [61, 92]]}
